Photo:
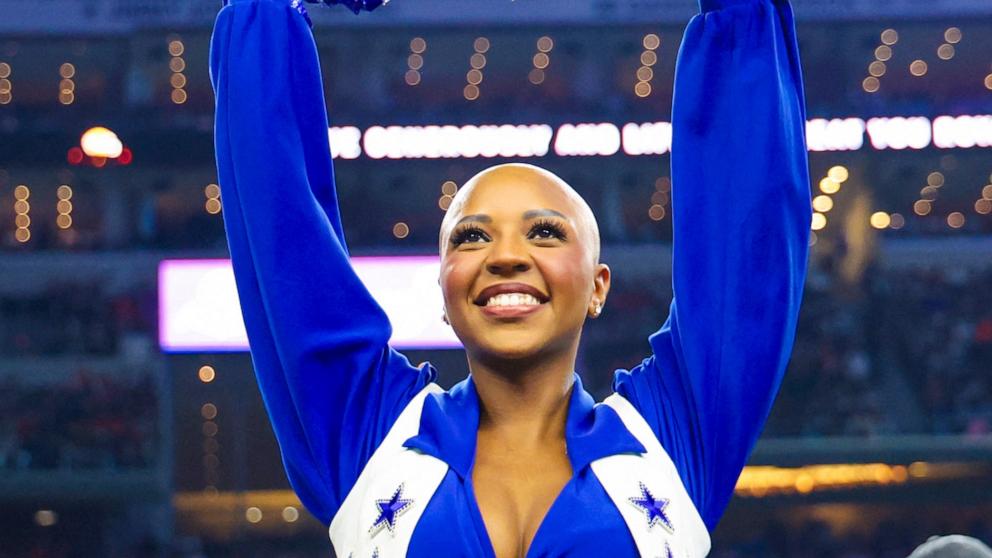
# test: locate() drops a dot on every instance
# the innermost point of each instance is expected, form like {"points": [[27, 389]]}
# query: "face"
{"points": [[519, 264]]}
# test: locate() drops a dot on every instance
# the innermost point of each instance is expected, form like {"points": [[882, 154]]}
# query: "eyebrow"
{"points": [[532, 214]]}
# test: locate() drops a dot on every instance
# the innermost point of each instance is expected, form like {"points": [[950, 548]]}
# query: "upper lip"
{"points": [[502, 288]]}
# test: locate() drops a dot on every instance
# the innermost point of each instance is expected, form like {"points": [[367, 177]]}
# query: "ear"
{"points": [[600, 290]]}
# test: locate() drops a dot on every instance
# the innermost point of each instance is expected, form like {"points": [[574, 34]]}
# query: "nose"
{"points": [[507, 257]]}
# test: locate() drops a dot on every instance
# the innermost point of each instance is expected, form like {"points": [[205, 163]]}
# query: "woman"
{"points": [[517, 460]]}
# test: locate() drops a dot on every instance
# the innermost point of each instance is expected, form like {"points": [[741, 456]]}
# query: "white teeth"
{"points": [[513, 299]]}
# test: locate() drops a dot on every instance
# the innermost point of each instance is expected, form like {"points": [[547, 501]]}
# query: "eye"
{"points": [[547, 230], [469, 234]]}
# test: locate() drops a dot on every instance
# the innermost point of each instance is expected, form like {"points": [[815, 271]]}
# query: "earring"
{"points": [[595, 311]]}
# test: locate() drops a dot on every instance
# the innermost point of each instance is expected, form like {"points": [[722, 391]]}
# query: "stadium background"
{"points": [[110, 446]]}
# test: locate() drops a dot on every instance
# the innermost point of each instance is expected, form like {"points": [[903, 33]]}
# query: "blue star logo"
{"points": [[389, 510], [654, 508]]}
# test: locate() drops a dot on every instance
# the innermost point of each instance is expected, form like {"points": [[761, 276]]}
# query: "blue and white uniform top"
{"points": [[383, 456]]}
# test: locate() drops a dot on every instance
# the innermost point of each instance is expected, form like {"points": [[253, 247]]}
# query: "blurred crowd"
{"points": [[91, 421], [73, 318]]}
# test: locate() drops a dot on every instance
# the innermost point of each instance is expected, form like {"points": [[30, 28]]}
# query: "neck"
{"points": [[524, 401]]}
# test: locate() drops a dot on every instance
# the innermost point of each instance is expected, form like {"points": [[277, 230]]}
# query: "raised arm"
{"points": [[331, 384], [741, 204]]}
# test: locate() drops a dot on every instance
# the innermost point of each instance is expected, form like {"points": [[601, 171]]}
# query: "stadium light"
{"points": [[101, 142]]}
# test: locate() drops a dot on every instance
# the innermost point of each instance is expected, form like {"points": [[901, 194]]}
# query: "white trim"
{"points": [[391, 466], [621, 477]]}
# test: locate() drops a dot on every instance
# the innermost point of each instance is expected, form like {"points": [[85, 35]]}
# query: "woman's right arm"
{"points": [[330, 383]]}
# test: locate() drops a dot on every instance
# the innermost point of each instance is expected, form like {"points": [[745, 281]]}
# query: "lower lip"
{"points": [[510, 311]]}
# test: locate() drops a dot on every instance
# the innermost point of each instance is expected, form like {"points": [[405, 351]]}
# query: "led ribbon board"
{"points": [[199, 309]]}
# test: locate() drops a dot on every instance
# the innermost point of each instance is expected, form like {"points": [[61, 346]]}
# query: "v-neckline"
{"points": [[480, 523]]}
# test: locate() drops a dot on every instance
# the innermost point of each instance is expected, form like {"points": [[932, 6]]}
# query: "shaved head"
{"points": [[494, 177]]}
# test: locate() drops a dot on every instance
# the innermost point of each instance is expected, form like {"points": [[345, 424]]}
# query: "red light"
{"points": [[75, 156], [98, 162], [126, 157]]}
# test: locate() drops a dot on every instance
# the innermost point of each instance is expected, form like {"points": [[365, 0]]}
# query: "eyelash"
{"points": [[462, 235]]}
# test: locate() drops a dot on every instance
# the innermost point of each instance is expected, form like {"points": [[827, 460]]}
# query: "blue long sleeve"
{"points": [[741, 203], [330, 383]]}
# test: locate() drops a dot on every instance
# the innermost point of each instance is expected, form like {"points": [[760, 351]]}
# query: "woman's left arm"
{"points": [[741, 204]]}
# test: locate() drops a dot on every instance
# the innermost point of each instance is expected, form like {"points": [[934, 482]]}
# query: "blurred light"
{"points": [[649, 58], [473, 77], [401, 230], [67, 70], [4, 70], [418, 45], [877, 68], [208, 411], [955, 220], [541, 60], [176, 47], [983, 206], [212, 206], [433, 142], [988, 82], [412, 77], [22, 192], [471, 92], [818, 222], [922, 207], [253, 514], [22, 207], [290, 514], [536, 76], [588, 139], [126, 157], [812, 239], [45, 518], [63, 206], [823, 203], [449, 188], [207, 374], [67, 98], [918, 68], [177, 81], [880, 220], [642, 89], [829, 186], [962, 131], [663, 184], [211, 445], [919, 469], [870, 84], [481, 45], [22, 235], [838, 134], [945, 52], [101, 142], [651, 41], [897, 221], [444, 202], [645, 73], [883, 53], [210, 429], [346, 141], [987, 192], [838, 174], [67, 86], [649, 138], [928, 193], [952, 35], [660, 198], [656, 212], [899, 133], [478, 61], [211, 191], [178, 96], [935, 179], [890, 37], [22, 221], [545, 44], [416, 61], [177, 64]]}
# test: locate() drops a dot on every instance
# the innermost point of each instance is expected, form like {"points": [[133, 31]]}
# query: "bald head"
{"points": [[519, 179]]}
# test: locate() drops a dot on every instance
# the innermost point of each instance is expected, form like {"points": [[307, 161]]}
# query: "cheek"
{"points": [[569, 276], [456, 278]]}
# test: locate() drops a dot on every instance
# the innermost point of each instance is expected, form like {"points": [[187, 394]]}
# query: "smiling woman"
{"points": [[517, 460]]}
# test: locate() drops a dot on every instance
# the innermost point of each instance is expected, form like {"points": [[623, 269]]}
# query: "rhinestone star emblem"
{"points": [[389, 511], [653, 508]]}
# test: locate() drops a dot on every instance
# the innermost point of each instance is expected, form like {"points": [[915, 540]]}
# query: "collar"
{"points": [[450, 421]]}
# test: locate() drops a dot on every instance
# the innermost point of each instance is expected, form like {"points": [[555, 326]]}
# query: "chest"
{"points": [[515, 491]]}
